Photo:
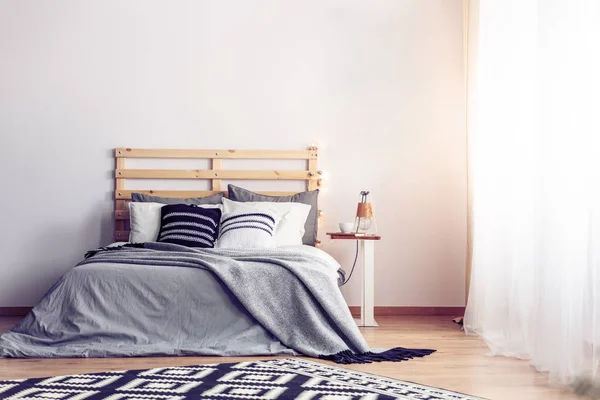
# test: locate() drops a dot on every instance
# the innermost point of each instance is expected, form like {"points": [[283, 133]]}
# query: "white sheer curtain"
{"points": [[534, 146]]}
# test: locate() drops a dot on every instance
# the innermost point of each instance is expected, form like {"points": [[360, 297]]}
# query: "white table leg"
{"points": [[367, 310]]}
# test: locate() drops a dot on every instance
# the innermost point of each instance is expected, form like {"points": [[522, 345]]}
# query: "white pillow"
{"points": [[291, 217], [144, 220], [247, 230]]}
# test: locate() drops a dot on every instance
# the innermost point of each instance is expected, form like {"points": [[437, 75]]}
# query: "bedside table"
{"points": [[367, 248]]}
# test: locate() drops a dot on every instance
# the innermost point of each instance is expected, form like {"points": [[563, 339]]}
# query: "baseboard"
{"points": [[385, 311], [14, 311], [380, 311]]}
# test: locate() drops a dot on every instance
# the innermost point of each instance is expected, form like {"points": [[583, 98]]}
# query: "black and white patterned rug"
{"points": [[272, 379]]}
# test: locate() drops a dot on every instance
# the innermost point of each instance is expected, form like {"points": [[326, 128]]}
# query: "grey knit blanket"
{"points": [[293, 295]]}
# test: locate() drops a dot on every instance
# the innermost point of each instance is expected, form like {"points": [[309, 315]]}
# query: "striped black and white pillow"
{"points": [[247, 230], [189, 225]]}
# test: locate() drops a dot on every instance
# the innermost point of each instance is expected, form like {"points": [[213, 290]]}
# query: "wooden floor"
{"points": [[459, 364]]}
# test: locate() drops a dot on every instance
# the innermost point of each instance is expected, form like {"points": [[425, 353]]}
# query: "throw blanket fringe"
{"points": [[396, 354]]}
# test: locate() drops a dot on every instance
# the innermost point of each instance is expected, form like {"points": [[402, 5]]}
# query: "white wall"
{"points": [[379, 84]]}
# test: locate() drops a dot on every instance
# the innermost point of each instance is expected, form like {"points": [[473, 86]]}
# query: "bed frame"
{"points": [[311, 176]]}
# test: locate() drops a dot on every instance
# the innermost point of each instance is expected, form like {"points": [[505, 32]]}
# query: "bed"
{"points": [[273, 294]]}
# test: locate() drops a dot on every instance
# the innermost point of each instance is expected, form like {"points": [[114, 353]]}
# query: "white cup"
{"points": [[347, 227]]}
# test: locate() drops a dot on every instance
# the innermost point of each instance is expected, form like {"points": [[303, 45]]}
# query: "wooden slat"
{"points": [[122, 236], [126, 194], [222, 154], [119, 185], [212, 174], [217, 165], [121, 215], [312, 167]]}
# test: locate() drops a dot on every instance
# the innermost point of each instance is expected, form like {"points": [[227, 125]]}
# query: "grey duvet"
{"points": [[171, 300]]}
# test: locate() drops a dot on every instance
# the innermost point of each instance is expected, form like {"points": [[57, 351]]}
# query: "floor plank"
{"points": [[459, 364]]}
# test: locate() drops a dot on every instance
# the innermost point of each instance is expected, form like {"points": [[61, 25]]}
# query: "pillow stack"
{"points": [[246, 220], [309, 198]]}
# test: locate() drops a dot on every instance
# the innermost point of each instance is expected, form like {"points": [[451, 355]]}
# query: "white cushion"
{"points": [[291, 218], [144, 220], [247, 230]]}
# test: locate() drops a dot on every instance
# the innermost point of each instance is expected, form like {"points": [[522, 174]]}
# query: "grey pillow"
{"points": [[146, 198], [237, 193]]}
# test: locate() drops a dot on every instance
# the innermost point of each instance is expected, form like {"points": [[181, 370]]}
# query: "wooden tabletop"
{"points": [[352, 236]]}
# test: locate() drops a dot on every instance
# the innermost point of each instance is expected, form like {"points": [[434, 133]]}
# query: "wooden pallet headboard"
{"points": [[312, 175]]}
